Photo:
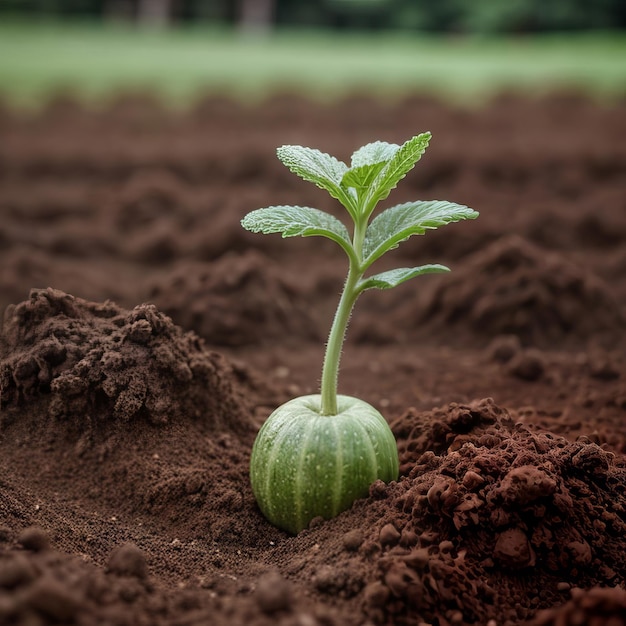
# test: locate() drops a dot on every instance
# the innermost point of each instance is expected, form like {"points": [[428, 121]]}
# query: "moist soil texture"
{"points": [[146, 337]]}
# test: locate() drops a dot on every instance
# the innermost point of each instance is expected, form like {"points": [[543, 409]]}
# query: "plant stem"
{"points": [[330, 370]]}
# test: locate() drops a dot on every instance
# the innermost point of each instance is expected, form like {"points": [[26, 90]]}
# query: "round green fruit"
{"points": [[306, 465]]}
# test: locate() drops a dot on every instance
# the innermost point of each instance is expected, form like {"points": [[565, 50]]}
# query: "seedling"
{"points": [[316, 454]]}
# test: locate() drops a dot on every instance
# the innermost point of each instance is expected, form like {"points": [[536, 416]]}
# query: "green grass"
{"points": [[95, 61]]}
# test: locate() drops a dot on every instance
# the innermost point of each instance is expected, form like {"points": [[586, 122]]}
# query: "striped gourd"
{"points": [[306, 465]]}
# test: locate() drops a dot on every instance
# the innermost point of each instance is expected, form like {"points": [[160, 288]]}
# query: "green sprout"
{"points": [[316, 454]]}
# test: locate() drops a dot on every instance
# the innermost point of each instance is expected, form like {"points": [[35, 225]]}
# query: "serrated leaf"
{"points": [[367, 162], [395, 277], [361, 177], [294, 221], [375, 152], [400, 222], [319, 168], [403, 160]]}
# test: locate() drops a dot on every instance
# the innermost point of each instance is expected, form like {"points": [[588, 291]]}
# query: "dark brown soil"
{"points": [[146, 337]]}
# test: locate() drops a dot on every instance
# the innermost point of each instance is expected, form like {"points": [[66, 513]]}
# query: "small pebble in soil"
{"points": [[370, 548], [503, 348], [389, 535], [353, 540], [528, 365], [378, 490], [446, 547], [580, 552], [418, 559], [408, 538], [525, 484], [428, 538], [376, 594], [316, 522], [34, 539], [329, 579], [128, 560], [442, 496], [273, 593], [471, 480], [513, 549]]}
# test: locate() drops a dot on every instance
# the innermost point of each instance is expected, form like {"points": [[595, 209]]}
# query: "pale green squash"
{"points": [[306, 465]]}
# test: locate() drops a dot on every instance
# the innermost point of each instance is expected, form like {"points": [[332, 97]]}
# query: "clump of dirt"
{"points": [[148, 197], [39, 585], [240, 299], [596, 607], [98, 362], [90, 385], [485, 501], [152, 216], [514, 287]]}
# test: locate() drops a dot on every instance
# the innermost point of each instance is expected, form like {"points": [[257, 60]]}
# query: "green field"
{"points": [[95, 61]]}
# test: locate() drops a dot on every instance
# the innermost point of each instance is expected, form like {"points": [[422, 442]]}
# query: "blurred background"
{"points": [[135, 135], [443, 16], [182, 48]]}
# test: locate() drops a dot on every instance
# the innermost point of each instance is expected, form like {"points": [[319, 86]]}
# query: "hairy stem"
{"points": [[332, 357], [330, 370]]}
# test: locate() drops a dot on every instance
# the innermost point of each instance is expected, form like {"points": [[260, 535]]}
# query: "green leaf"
{"points": [[399, 222], [319, 168], [367, 162], [361, 177], [402, 161], [294, 221], [373, 153], [393, 278]]}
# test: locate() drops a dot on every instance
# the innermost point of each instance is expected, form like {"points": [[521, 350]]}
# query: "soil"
{"points": [[146, 337]]}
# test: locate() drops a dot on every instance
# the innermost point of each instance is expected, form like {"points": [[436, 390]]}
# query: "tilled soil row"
{"points": [[146, 337]]}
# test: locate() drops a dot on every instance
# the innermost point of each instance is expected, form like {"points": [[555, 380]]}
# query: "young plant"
{"points": [[316, 454]]}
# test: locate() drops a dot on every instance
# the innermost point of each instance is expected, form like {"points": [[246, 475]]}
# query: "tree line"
{"points": [[442, 16]]}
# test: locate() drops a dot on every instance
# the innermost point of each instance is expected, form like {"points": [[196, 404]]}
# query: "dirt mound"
{"points": [[97, 362], [240, 299], [486, 501], [515, 288], [87, 386]]}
